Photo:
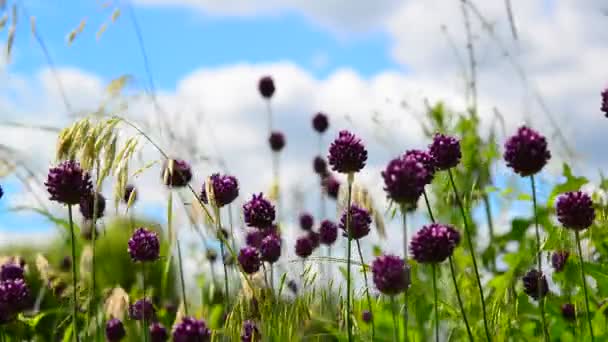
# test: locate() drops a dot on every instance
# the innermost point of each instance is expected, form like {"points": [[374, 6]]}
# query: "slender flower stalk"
{"points": [[369, 299], [349, 322], [395, 325], [219, 231], [181, 276], [74, 275], [436, 306], [405, 293], [580, 256], [539, 260], [144, 321]]}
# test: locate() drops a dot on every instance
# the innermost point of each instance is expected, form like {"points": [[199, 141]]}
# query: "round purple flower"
{"points": [[254, 237], [426, 159], [259, 212], [320, 122], [129, 189], [347, 153], [249, 258], [434, 243], [445, 150], [178, 175], [604, 107], [569, 312], [559, 259], [531, 281], [320, 166], [191, 330], [225, 189], [276, 141], [360, 220], [315, 238], [304, 246], [144, 245], [142, 309], [11, 271], [270, 248], [331, 186], [266, 87], [404, 180], [14, 294], [575, 210], [526, 152], [390, 274], [158, 333], [87, 204], [328, 232], [366, 316], [67, 182], [306, 221], [115, 331], [250, 332]]}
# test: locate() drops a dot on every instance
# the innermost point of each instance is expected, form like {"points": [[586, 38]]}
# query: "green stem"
{"points": [[369, 299], [580, 256], [488, 210], [405, 255], [144, 323], [395, 325], [219, 232], [74, 276], [541, 299], [436, 306], [453, 274], [472, 251], [349, 322], [181, 276]]}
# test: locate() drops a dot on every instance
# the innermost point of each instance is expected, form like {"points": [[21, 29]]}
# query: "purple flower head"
{"points": [[68, 182], [426, 159], [144, 245], [604, 106], [142, 309], [249, 258], [176, 173], [266, 87], [328, 232], [360, 220], [347, 153], [276, 141], [270, 248], [191, 329], [559, 259], [331, 186], [14, 295], [129, 189], [390, 274], [225, 189], [575, 210], [434, 243], [304, 246], [315, 238], [526, 152], [532, 280], [115, 331], [320, 122], [158, 333], [11, 271], [250, 332], [320, 166], [306, 221], [445, 150], [569, 312], [366, 316], [404, 180], [259, 212], [87, 205], [254, 237]]}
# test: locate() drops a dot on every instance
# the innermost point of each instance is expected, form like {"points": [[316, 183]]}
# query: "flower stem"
{"points": [[369, 299], [74, 276], [580, 256], [349, 322], [436, 306], [395, 325], [405, 293], [219, 231], [144, 323], [453, 273], [541, 299], [472, 251], [181, 276]]}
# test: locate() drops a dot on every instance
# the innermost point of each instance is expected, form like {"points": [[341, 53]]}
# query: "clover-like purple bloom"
{"points": [[158, 332], [526, 152], [319, 166], [331, 186], [531, 282], [559, 259], [87, 205], [249, 258], [328, 232], [304, 246], [11, 271], [360, 221], [259, 212], [315, 238], [366, 316], [604, 107], [178, 175], [426, 159], [253, 237], [191, 329], [390, 274], [347, 153], [320, 122], [276, 141], [575, 210], [270, 248], [144, 245], [115, 330], [250, 332], [142, 309], [404, 180], [266, 87], [68, 182], [445, 150], [14, 294], [225, 189], [306, 221], [129, 189], [434, 243], [569, 312]]}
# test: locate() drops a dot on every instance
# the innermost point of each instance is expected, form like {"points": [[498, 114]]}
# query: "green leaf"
{"points": [[572, 183]]}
